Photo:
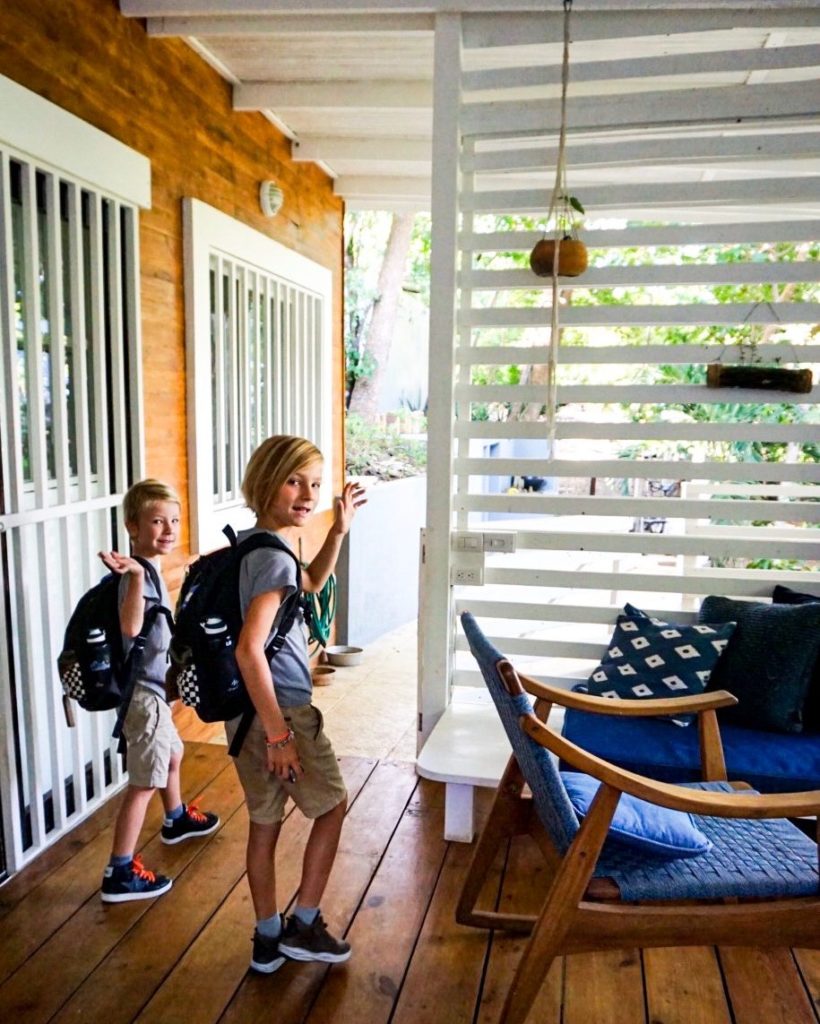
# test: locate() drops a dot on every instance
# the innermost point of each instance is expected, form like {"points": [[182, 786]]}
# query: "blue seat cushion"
{"points": [[771, 762], [654, 830]]}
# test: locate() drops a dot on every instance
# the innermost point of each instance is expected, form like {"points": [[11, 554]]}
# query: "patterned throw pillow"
{"points": [[649, 658]]}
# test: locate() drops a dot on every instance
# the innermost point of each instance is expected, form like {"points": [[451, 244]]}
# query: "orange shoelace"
{"points": [[194, 813], [142, 872]]}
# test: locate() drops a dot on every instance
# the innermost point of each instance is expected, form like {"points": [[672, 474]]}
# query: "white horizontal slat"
{"points": [[740, 582], [754, 542], [648, 276], [469, 677], [700, 431], [725, 104], [665, 234], [643, 355], [651, 150], [540, 648], [686, 64], [555, 612], [643, 469], [714, 314], [638, 394], [629, 507]]}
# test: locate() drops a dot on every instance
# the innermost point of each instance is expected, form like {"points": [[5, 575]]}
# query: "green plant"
{"points": [[382, 452]]}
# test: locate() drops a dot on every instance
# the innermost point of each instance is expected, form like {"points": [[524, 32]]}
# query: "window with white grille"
{"points": [[259, 354], [70, 441]]}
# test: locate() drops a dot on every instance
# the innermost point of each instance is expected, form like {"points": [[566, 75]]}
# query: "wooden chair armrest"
{"points": [[665, 794], [628, 708]]}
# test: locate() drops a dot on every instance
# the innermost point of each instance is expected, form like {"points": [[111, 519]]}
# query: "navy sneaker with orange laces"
{"points": [[132, 882], [189, 825]]}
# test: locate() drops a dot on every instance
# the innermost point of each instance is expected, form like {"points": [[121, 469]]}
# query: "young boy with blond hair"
{"points": [[153, 747], [286, 752]]}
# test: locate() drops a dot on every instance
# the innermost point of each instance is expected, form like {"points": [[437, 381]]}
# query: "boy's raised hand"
{"points": [[121, 564], [352, 498]]}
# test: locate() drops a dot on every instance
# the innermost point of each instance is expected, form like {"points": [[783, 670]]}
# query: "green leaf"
{"points": [[576, 204]]}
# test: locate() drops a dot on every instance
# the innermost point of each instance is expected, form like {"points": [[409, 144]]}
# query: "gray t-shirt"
{"points": [[155, 656], [262, 571]]}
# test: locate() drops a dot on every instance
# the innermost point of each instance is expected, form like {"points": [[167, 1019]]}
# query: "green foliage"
{"points": [[379, 451]]}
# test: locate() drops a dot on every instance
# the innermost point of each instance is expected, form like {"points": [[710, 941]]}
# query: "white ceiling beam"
{"points": [[780, 57], [708, 106], [267, 25], [600, 199], [499, 29], [383, 148], [686, 149], [384, 187], [370, 94]]}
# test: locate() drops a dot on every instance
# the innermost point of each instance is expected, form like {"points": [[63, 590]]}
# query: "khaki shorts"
{"points": [[151, 737], [316, 792]]}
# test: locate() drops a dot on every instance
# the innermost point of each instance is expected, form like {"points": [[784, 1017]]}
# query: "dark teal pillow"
{"points": [[811, 709], [768, 662], [655, 830], [650, 658]]}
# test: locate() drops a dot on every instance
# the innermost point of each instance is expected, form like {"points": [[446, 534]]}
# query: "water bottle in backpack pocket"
{"points": [[206, 674]]}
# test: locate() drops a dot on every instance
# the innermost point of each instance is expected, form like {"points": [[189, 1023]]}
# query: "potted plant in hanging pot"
{"points": [[565, 246], [751, 371]]}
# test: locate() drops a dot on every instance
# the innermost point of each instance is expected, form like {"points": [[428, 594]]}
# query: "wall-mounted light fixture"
{"points": [[271, 198]]}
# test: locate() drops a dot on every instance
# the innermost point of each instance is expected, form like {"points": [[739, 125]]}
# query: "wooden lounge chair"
{"points": [[757, 886]]}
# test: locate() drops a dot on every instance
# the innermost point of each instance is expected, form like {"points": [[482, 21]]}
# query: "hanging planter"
{"points": [[766, 378], [751, 372], [566, 247]]}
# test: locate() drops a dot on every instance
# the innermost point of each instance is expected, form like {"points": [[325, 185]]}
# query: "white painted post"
{"points": [[436, 614]]}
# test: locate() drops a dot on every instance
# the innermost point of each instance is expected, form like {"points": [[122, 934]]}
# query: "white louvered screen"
{"points": [[656, 491]]}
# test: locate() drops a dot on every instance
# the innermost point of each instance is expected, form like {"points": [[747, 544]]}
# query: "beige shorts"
{"points": [[316, 792], [151, 737]]}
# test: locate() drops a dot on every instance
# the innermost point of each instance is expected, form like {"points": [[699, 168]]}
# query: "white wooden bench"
{"points": [[467, 748]]}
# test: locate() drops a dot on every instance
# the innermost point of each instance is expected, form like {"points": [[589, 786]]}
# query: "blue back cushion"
{"points": [[811, 709], [769, 661]]}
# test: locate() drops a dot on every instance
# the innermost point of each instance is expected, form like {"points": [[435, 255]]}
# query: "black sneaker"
{"points": [[188, 825], [302, 941], [266, 957], [132, 882]]}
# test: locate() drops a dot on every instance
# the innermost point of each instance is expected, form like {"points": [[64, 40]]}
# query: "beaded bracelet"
{"points": [[280, 742]]}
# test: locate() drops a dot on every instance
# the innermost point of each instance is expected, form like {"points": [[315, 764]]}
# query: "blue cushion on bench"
{"points": [[771, 762]]}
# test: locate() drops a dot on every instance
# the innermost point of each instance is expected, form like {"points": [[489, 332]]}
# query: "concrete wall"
{"points": [[378, 571]]}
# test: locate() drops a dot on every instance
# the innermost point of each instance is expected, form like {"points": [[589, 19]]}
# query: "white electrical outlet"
{"points": [[464, 541], [467, 576], [501, 541]]}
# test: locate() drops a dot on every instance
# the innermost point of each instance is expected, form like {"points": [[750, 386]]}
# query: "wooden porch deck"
{"points": [[65, 956]]}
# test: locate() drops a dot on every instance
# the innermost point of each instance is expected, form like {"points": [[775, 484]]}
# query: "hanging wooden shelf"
{"points": [[767, 378]]}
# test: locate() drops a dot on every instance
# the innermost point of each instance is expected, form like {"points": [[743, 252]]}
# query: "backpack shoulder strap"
{"points": [[292, 602]]}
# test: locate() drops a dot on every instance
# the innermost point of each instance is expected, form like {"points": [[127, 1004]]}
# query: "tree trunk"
{"points": [[366, 396]]}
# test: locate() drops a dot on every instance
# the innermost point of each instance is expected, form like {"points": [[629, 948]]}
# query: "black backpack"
{"points": [[93, 666], [203, 670]]}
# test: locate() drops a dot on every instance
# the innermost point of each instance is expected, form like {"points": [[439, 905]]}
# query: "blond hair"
{"points": [[143, 493], [270, 466]]}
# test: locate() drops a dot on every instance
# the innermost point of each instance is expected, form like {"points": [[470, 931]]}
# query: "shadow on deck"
{"points": [[65, 956]]}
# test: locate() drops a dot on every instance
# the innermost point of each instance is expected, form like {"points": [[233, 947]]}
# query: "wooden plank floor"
{"points": [[66, 956]]}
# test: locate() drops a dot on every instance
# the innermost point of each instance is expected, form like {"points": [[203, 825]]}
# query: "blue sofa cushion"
{"points": [[648, 658], [811, 709], [771, 762], [768, 662], [657, 831]]}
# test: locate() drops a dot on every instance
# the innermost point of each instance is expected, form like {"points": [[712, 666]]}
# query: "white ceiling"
{"points": [[713, 103]]}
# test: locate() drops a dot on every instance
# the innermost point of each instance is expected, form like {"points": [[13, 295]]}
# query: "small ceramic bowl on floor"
{"points": [[322, 675]]}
